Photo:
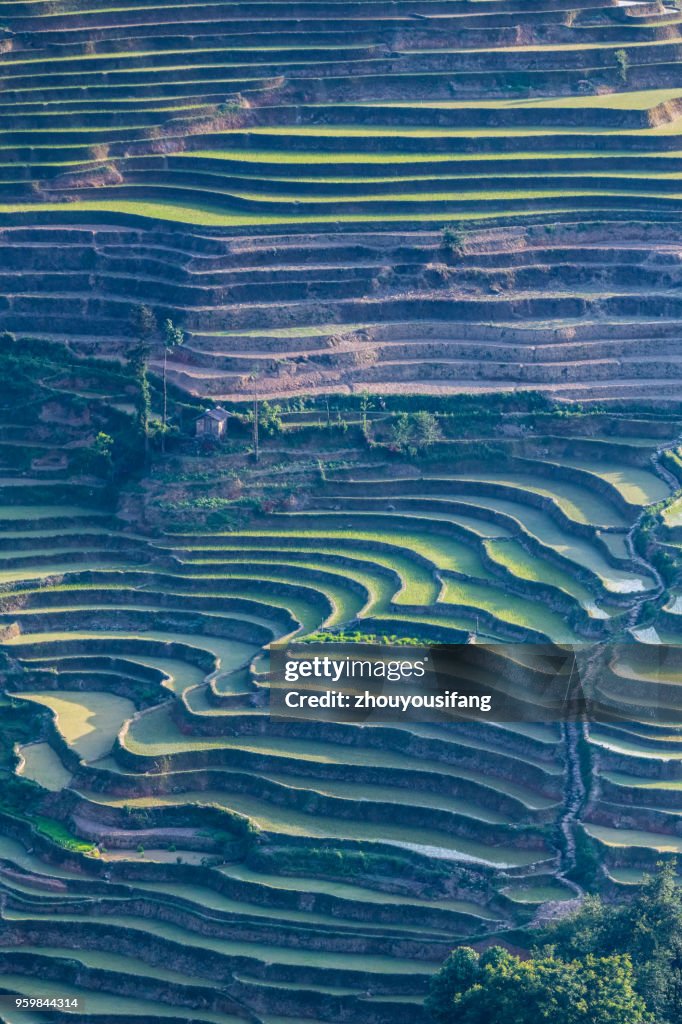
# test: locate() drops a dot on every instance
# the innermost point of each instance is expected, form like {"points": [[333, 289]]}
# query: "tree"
{"points": [[253, 377], [402, 431], [498, 986], [144, 327], [426, 429], [99, 455], [452, 239], [366, 403], [271, 418], [623, 62], [97, 458], [459, 972], [648, 929], [414, 431], [173, 337]]}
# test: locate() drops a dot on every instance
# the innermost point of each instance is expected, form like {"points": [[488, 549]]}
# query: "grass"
{"points": [[100, 559], [648, 786], [513, 556], [303, 608], [347, 603], [525, 614], [643, 99], [633, 746], [13, 851], [418, 586], [117, 962], [379, 131], [672, 515], [538, 525], [453, 198], [215, 216], [442, 551], [68, 613], [33, 513], [309, 157], [576, 502], [60, 835], [228, 653], [642, 663], [451, 178]]}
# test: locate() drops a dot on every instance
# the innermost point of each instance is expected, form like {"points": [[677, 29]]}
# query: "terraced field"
{"points": [[276, 177], [248, 868], [461, 210]]}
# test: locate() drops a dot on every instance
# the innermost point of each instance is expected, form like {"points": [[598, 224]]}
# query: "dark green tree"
{"points": [[173, 337], [255, 415], [366, 403], [402, 431], [426, 429], [623, 62], [648, 928], [452, 239], [145, 325], [271, 421], [500, 987], [459, 972], [99, 456], [144, 329]]}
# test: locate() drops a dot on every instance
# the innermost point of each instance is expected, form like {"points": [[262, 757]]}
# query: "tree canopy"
{"points": [[498, 986], [648, 928], [606, 964]]}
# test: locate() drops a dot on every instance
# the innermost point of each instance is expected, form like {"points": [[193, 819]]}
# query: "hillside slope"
{"points": [[170, 851], [275, 176]]}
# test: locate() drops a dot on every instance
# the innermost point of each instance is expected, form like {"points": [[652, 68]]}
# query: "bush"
{"points": [[623, 62], [452, 239], [414, 432]]}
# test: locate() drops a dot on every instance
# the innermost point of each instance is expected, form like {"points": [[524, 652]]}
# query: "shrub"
{"points": [[98, 457], [426, 429], [452, 239], [270, 418], [623, 62], [414, 432]]}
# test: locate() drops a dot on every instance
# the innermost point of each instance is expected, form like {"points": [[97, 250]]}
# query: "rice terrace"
{"points": [[337, 322]]}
